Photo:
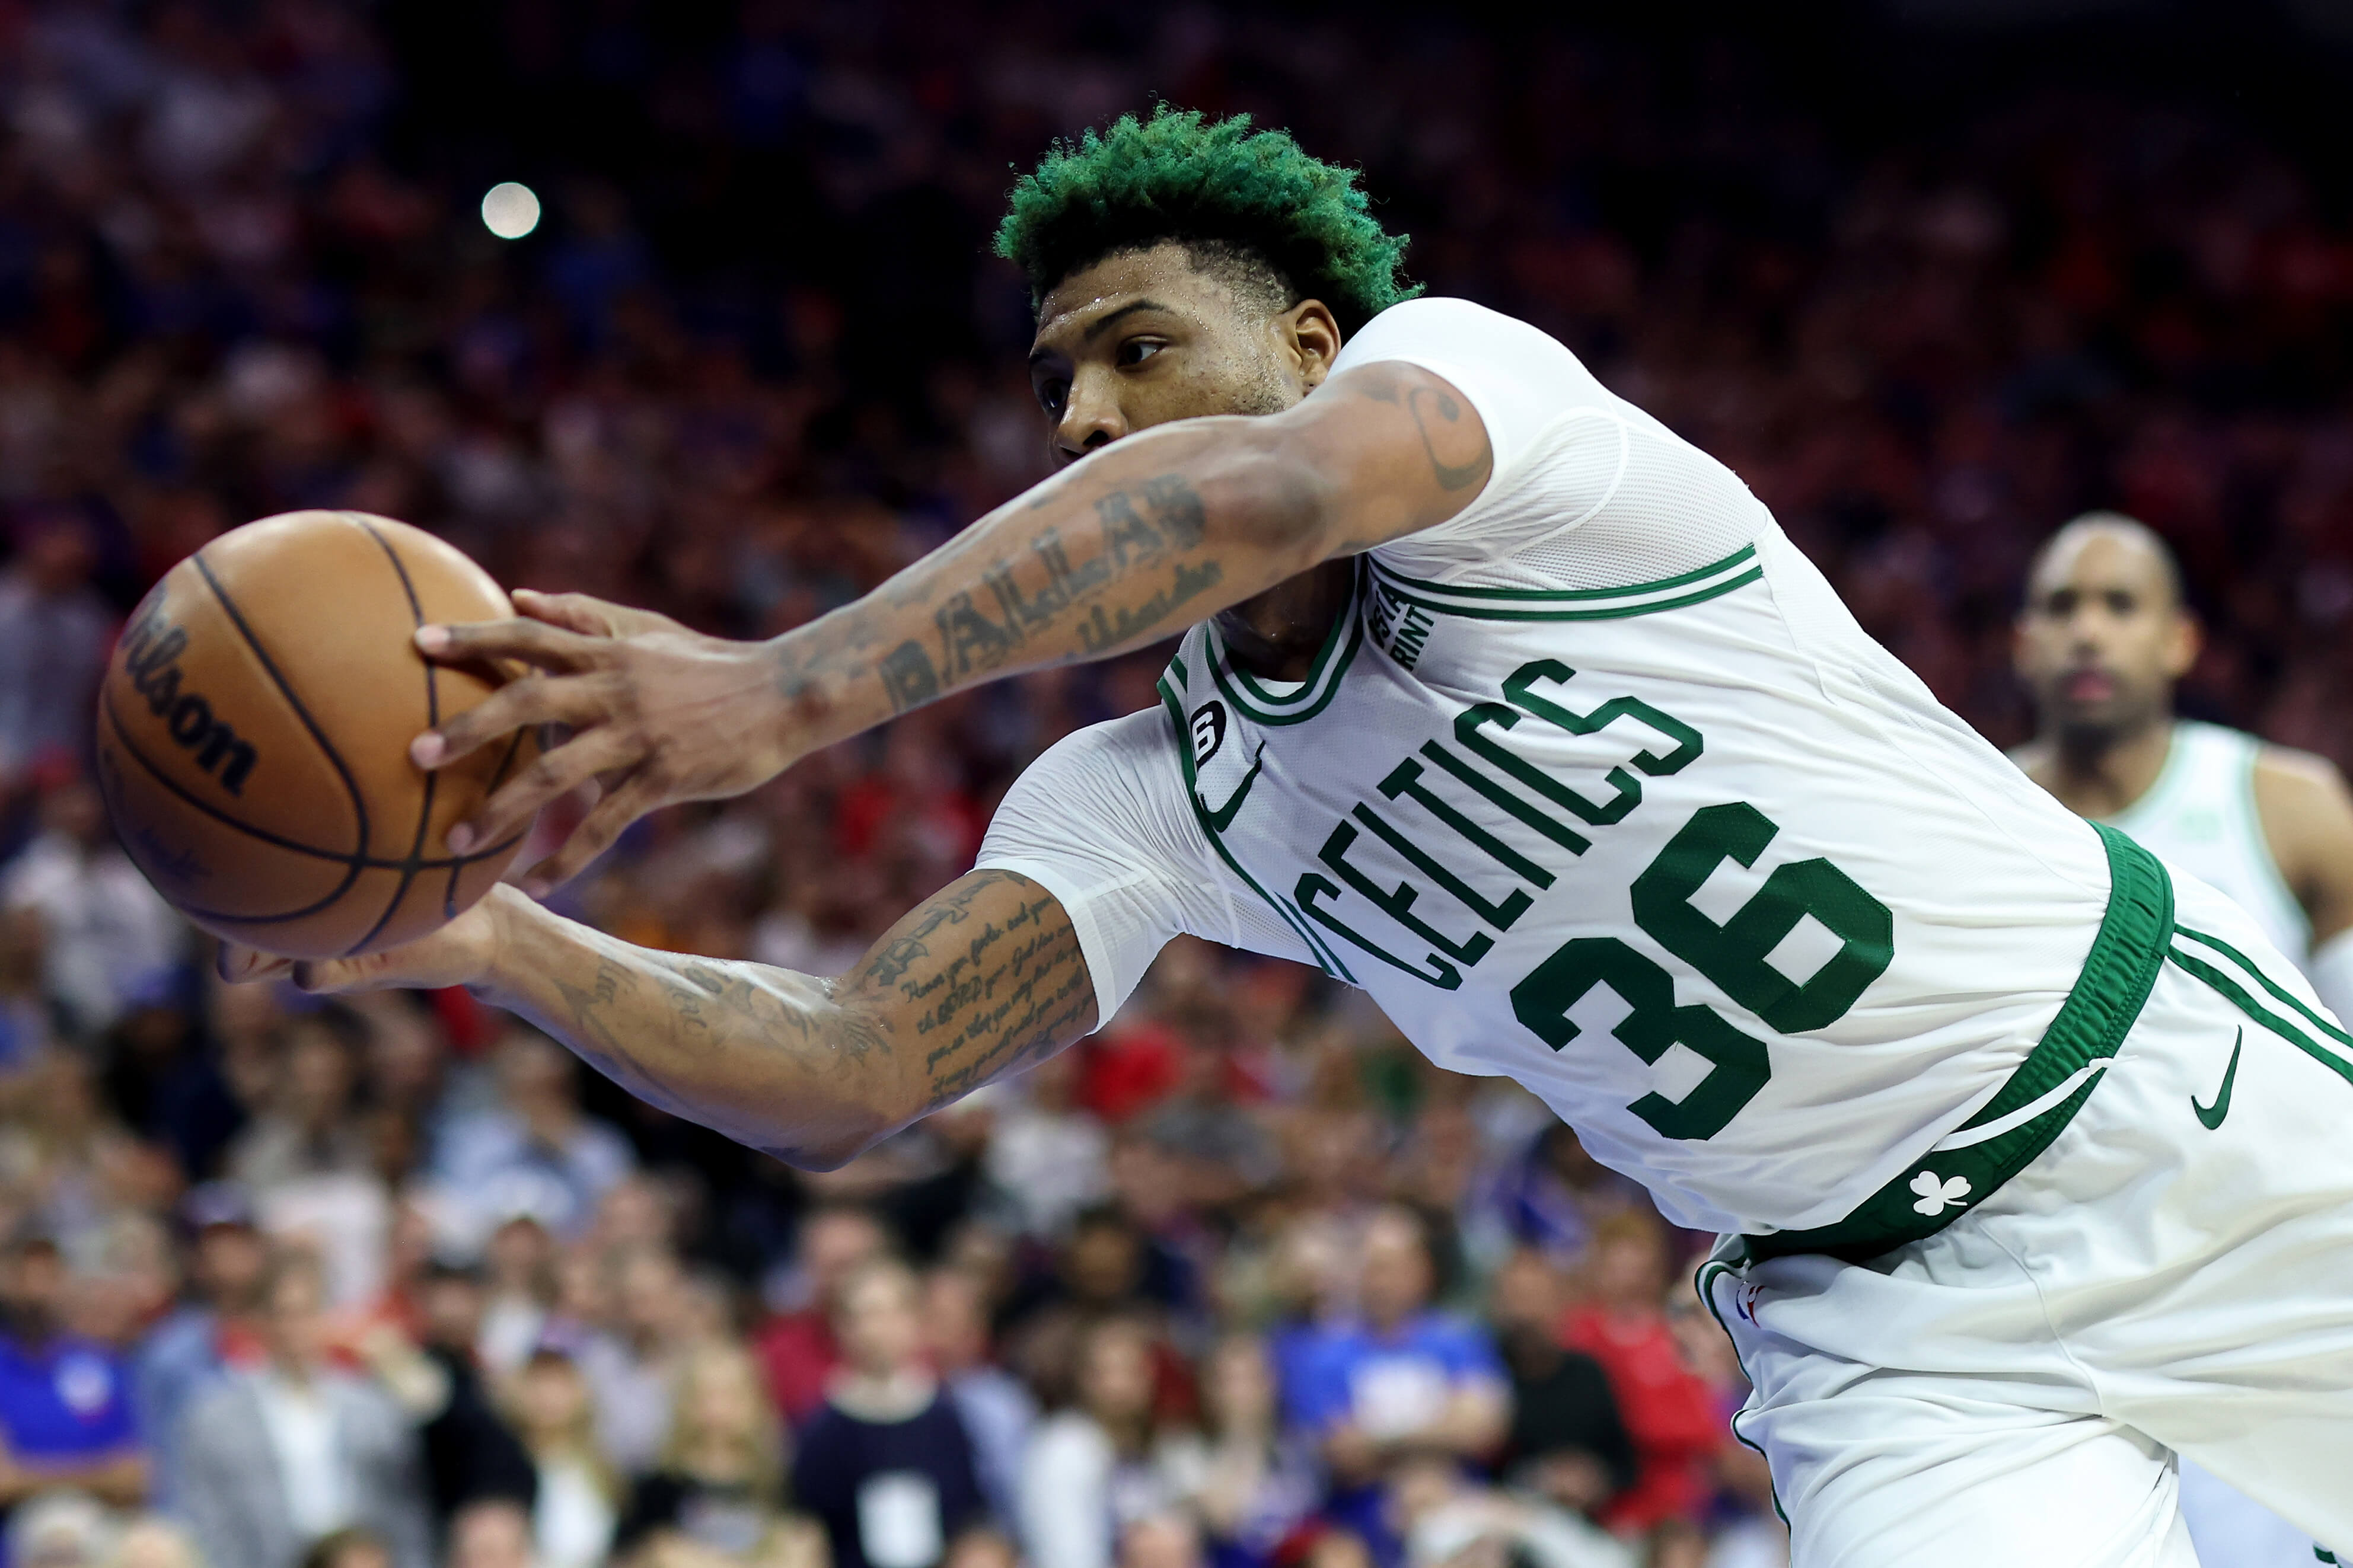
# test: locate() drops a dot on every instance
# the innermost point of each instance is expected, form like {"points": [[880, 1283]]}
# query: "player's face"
{"points": [[1141, 338], [2101, 639]]}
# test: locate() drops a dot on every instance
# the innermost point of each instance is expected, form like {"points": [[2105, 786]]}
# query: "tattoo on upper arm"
{"points": [[1428, 403], [1438, 416], [994, 994]]}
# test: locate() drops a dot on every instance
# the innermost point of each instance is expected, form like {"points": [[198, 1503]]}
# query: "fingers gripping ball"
{"points": [[253, 733]]}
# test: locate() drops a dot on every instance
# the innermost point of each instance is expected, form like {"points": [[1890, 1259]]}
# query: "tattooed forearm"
{"points": [[982, 978]]}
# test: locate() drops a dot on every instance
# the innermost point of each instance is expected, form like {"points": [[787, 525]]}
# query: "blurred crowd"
{"points": [[1240, 1283]]}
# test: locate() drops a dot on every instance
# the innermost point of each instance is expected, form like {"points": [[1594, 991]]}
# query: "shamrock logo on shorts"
{"points": [[1937, 1196]]}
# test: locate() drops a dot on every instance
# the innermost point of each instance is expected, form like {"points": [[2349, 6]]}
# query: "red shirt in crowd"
{"points": [[1669, 1411], [797, 1351]]}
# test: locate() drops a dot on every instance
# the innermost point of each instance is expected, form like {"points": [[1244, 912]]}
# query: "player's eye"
{"points": [[1135, 351], [1053, 396]]}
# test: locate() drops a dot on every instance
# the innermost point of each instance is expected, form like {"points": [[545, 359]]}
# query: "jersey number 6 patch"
{"points": [[1733, 956]]}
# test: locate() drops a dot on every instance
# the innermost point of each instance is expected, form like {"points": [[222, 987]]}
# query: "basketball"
{"points": [[253, 732]]}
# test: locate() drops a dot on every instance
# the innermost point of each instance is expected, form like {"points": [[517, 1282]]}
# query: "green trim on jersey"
{"points": [[1315, 693], [2239, 996], [2016, 1125], [1737, 570], [1324, 957]]}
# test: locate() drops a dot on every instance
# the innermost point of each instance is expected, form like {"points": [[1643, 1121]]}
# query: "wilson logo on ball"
{"points": [[151, 652]]}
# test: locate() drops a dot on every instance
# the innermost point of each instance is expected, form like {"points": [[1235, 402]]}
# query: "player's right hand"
{"points": [[463, 952], [658, 713]]}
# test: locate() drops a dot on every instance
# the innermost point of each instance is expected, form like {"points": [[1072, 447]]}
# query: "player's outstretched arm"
{"points": [[1141, 539], [984, 978]]}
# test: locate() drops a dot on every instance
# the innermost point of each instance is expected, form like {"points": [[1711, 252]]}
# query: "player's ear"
{"points": [[1313, 337], [2183, 644]]}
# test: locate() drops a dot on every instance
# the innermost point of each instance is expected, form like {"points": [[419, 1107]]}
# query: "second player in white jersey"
{"points": [[1693, 857], [2201, 815], [2103, 636]]}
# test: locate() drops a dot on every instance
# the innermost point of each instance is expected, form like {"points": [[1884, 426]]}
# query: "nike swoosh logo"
{"points": [[1223, 817], [2210, 1116]]}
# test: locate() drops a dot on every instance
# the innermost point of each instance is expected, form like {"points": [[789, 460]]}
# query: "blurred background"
{"points": [[1240, 1283]]}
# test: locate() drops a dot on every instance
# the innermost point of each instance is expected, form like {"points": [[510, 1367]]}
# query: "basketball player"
{"points": [[2101, 639], [1503, 702]]}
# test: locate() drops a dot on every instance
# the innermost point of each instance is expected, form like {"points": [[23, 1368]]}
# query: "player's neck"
{"points": [[1277, 635], [2103, 775]]}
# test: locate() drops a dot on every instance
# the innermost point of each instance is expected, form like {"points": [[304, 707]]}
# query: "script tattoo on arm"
{"points": [[984, 978], [987, 978]]}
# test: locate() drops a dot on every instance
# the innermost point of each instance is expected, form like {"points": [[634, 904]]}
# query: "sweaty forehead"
{"points": [[1160, 277]]}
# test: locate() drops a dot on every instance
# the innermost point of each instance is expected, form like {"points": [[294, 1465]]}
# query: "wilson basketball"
{"points": [[253, 733]]}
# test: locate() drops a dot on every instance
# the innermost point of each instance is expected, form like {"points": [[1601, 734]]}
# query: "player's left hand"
{"points": [[460, 953], [658, 713]]}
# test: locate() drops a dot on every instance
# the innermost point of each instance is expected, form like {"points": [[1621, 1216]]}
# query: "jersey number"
{"points": [[1731, 955]]}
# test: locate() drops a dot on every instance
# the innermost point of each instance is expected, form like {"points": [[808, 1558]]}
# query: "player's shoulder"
{"points": [[2299, 792], [1463, 330], [1117, 782], [1143, 736], [2288, 768], [2305, 812]]}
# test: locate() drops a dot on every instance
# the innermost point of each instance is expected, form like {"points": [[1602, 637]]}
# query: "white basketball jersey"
{"points": [[2201, 815], [1599, 787]]}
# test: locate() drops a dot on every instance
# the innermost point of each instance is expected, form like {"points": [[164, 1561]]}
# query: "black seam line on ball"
{"points": [[449, 894], [432, 720], [334, 758], [352, 867], [363, 862]]}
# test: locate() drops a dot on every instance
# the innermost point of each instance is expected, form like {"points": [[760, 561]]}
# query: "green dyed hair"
{"points": [[1242, 202]]}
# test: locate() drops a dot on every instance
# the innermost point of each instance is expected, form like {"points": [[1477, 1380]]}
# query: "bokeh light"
{"points": [[511, 210]]}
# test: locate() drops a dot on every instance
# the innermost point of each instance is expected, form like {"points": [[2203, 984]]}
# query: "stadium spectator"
{"points": [[1401, 1375], [306, 1128], [1670, 1412], [575, 1493], [634, 1364], [1250, 1486], [797, 1345], [491, 1532], [276, 1458], [717, 1493], [1047, 1153], [55, 629], [1446, 1517], [59, 1530], [105, 931], [216, 1329], [519, 1267], [1170, 1540], [149, 1540], [535, 1148], [1097, 1466], [471, 1453], [1567, 1442], [996, 1409], [887, 1465], [66, 1414]]}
